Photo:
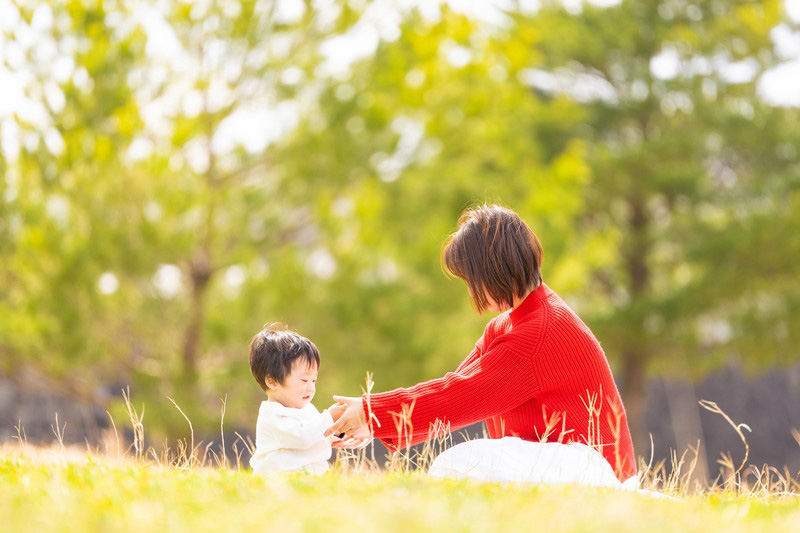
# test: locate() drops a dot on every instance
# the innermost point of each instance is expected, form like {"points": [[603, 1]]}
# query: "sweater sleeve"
{"points": [[489, 385], [474, 354], [300, 433]]}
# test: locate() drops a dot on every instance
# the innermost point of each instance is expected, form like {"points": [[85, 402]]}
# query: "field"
{"points": [[65, 489]]}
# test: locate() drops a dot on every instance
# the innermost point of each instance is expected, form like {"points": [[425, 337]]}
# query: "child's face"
{"points": [[297, 389]]}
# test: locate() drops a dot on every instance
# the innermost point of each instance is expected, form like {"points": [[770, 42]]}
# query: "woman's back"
{"points": [[575, 399]]}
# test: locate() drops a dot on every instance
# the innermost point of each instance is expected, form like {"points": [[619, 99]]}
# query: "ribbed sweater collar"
{"points": [[529, 304]]}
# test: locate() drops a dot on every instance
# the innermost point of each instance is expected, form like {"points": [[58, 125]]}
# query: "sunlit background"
{"points": [[176, 174]]}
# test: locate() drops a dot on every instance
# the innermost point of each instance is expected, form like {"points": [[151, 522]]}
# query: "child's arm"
{"points": [[301, 433]]}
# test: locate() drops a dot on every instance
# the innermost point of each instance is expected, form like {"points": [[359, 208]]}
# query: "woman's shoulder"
{"points": [[521, 336], [498, 325]]}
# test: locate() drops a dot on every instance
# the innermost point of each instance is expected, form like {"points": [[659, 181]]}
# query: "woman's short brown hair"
{"points": [[495, 253]]}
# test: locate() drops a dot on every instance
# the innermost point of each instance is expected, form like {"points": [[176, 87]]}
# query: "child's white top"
{"points": [[290, 439]]}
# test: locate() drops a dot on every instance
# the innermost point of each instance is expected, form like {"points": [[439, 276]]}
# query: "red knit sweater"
{"points": [[537, 373]]}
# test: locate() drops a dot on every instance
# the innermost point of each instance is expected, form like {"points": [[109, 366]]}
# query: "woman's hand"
{"points": [[336, 410], [352, 422]]}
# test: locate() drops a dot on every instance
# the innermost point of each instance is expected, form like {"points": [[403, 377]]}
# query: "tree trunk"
{"points": [[634, 397], [200, 274], [635, 354]]}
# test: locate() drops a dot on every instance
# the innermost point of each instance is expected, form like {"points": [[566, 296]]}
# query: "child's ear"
{"points": [[271, 383]]}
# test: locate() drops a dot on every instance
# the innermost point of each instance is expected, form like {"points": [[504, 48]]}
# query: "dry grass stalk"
{"points": [[674, 476], [116, 435], [400, 460], [714, 408], [730, 474], [136, 424], [58, 431], [187, 456], [222, 431], [22, 438]]}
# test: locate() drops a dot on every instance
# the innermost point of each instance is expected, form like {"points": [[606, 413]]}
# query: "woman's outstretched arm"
{"points": [[499, 380]]}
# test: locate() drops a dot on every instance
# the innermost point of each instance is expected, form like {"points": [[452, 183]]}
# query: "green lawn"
{"points": [[49, 491]]}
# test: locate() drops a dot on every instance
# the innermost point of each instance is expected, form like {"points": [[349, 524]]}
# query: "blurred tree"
{"points": [[433, 122], [240, 229], [632, 138], [196, 169], [77, 115], [691, 170], [145, 185]]}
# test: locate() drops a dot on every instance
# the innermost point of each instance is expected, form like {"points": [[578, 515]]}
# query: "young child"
{"points": [[290, 430]]}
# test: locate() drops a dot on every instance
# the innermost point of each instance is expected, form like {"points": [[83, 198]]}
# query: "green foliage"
{"points": [[687, 164], [145, 239]]}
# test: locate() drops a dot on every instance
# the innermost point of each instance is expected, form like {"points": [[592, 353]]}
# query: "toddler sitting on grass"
{"points": [[290, 430]]}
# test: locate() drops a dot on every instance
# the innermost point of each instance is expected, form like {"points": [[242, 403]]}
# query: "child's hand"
{"points": [[352, 442]]}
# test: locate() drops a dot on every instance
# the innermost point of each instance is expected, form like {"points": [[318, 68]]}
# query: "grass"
{"points": [[64, 489], [120, 487]]}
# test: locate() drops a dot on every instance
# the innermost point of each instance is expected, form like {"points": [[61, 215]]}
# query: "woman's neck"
{"points": [[520, 299]]}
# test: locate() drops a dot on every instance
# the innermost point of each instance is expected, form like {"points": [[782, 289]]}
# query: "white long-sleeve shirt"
{"points": [[289, 439]]}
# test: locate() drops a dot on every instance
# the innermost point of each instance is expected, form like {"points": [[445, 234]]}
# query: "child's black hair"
{"points": [[273, 352]]}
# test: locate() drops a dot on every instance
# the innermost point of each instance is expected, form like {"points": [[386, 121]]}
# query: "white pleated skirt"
{"points": [[511, 459]]}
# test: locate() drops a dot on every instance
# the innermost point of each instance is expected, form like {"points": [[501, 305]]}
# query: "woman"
{"points": [[537, 377]]}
